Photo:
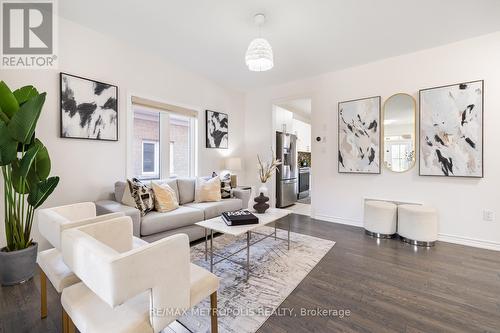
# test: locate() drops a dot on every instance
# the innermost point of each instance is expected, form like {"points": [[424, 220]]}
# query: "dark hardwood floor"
{"points": [[387, 286]]}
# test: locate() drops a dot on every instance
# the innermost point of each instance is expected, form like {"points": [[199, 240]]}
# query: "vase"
{"points": [[17, 266], [261, 203], [263, 189]]}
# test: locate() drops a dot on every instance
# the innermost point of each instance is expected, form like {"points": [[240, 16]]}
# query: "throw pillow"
{"points": [[207, 190], [225, 185], [127, 198], [143, 196], [165, 198]]}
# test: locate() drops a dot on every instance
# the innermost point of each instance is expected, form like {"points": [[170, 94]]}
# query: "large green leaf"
{"points": [[3, 117], [28, 160], [8, 146], [41, 191], [22, 125], [8, 102], [19, 183], [25, 93], [42, 162]]}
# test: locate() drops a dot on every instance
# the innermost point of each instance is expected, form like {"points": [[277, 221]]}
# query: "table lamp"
{"points": [[233, 164]]}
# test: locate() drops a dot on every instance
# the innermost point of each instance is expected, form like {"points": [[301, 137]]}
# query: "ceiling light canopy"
{"points": [[259, 56]]}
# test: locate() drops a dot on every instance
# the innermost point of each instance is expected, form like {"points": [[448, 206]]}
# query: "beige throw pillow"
{"points": [[165, 198], [207, 190]]}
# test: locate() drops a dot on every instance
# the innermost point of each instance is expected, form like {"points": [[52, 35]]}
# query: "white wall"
{"points": [[339, 197], [88, 169]]}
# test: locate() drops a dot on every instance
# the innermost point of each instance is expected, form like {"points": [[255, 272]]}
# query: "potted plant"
{"points": [[25, 165], [266, 170]]}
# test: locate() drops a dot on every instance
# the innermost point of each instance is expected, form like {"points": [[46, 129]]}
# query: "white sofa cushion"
{"points": [[155, 222], [186, 188], [214, 209]]}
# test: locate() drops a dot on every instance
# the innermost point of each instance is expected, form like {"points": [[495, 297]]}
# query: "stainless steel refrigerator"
{"points": [[286, 177]]}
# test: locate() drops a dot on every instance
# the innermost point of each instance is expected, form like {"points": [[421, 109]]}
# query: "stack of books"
{"points": [[239, 217]]}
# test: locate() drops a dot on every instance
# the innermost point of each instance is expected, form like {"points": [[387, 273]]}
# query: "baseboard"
{"points": [[340, 220], [480, 243]]}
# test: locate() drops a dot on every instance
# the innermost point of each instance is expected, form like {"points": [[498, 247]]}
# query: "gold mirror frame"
{"points": [[414, 159]]}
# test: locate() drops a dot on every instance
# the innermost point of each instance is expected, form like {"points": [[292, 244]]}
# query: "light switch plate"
{"points": [[488, 215]]}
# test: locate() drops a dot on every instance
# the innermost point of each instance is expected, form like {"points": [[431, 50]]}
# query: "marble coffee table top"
{"points": [[218, 225]]}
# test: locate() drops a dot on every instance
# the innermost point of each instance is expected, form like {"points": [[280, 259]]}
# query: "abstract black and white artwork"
{"points": [[217, 129], [359, 136], [451, 130], [89, 109]]}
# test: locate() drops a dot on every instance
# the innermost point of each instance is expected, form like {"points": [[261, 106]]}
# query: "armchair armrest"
{"points": [[242, 194], [110, 206], [51, 223]]}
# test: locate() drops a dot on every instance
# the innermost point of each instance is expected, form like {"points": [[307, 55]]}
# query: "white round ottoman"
{"points": [[380, 219], [418, 224]]}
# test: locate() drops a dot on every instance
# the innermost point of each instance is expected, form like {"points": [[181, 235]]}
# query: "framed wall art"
{"points": [[451, 130], [359, 136], [89, 109], [217, 129]]}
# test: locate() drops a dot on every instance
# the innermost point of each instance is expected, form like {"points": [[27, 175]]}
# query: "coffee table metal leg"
{"points": [[288, 234], [206, 245], [274, 230], [248, 254], [211, 250]]}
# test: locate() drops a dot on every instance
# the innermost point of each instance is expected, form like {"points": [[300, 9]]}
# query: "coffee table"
{"points": [[216, 224]]}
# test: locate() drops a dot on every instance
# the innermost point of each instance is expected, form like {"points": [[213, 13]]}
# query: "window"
{"points": [[146, 144], [399, 156], [150, 158], [180, 146], [163, 144]]}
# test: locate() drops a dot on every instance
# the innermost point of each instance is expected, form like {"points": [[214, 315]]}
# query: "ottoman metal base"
{"points": [[378, 235], [416, 242]]}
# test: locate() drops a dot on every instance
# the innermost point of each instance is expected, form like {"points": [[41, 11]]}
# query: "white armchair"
{"points": [[130, 290], [51, 223]]}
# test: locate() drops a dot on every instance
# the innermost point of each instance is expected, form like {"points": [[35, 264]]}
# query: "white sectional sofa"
{"points": [[155, 225]]}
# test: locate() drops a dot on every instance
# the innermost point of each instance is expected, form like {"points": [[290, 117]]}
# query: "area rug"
{"points": [[275, 272]]}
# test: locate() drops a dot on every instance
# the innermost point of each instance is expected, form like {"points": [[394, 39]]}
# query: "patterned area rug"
{"points": [[275, 272]]}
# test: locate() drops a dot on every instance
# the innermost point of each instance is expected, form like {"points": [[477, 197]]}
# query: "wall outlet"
{"points": [[488, 215]]}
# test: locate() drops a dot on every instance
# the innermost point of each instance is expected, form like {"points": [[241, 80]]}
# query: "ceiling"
{"points": [[210, 37]]}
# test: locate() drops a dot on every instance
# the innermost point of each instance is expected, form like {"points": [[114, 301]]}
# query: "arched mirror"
{"points": [[399, 132]]}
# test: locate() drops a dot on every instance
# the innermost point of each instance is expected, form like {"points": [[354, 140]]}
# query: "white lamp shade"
{"points": [[233, 164], [259, 56]]}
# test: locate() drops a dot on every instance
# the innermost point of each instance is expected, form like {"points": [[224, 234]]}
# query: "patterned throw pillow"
{"points": [[225, 185], [143, 196]]}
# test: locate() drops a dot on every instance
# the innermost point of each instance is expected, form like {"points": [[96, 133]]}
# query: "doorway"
{"points": [[292, 119]]}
